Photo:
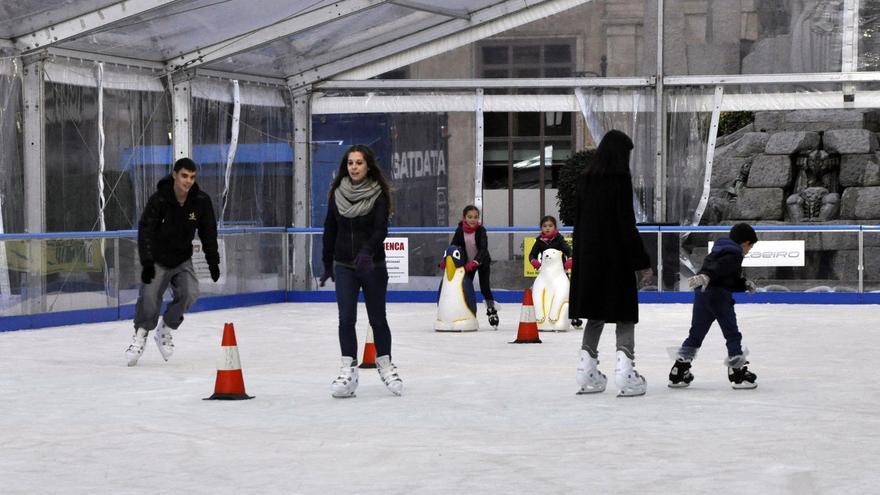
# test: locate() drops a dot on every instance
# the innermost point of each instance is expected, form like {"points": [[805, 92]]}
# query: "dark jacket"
{"points": [[166, 229], [345, 237], [608, 250], [558, 242], [481, 238], [724, 266]]}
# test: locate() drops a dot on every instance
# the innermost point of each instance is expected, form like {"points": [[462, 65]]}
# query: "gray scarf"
{"points": [[354, 200]]}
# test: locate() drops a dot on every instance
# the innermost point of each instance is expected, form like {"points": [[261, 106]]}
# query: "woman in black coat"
{"points": [[609, 251]]}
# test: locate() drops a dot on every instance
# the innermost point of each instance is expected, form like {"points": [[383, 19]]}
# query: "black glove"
{"points": [[363, 262], [148, 273], [328, 273], [215, 272]]}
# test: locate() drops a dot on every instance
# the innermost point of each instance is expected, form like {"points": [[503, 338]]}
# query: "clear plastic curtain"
{"points": [[71, 138], [11, 166], [137, 152], [260, 184], [630, 111], [688, 118], [11, 171]]}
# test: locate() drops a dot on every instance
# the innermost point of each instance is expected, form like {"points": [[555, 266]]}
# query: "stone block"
{"points": [[790, 142], [725, 169], [768, 121], [770, 171], [850, 141], [759, 204], [823, 120], [751, 144], [860, 170], [860, 203]]}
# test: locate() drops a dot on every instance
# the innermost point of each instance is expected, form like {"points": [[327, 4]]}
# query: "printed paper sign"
{"points": [[200, 264], [774, 253], [397, 259], [528, 269]]}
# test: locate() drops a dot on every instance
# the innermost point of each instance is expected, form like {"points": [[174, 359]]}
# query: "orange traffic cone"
{"points": [[369, 360], [230, 383], [528, 329]]}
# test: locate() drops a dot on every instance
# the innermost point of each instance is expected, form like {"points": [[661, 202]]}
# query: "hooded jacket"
{"points": [[724, 266], [166, 229]]}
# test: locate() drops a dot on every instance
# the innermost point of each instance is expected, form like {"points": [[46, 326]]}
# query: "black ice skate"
{"points": [[577, 323], [680, 375], [492, 313], [741, 378]]}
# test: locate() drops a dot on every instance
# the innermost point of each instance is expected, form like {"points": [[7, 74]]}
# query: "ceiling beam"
{"points": [[435, 40], [268, 34], [456, 13], [86, 23]]}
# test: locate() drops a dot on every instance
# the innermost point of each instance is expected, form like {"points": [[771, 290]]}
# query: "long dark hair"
{"points": [[373, 171], [612, 156]]}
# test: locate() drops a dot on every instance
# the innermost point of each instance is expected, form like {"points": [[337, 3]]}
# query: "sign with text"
{"points": [[774, 253], [528, 270], [397, 259], [200, 264]]}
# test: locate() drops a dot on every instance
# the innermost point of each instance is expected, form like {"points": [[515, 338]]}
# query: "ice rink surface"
{"points": [[478, 415]]}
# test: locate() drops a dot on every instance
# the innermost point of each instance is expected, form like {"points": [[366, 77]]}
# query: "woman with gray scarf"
{"points": [[354, 258]]}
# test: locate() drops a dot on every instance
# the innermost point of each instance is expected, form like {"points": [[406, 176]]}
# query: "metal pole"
{"points": [[478, 152], [181, 108], [301, 171], [861, 260], [34, 182], [659, 261], [660, 124]]}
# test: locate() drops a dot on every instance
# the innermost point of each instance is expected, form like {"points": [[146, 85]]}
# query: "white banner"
{"points": [[200, 264], [397, 259], [774, 253]]}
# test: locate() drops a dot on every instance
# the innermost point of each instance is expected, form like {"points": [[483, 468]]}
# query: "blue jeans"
{"points": [[184, 292], [375, 284], [710, 305]]}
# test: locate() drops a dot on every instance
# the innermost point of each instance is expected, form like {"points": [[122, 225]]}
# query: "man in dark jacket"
{"points": [[165, 233], [720, 276]]}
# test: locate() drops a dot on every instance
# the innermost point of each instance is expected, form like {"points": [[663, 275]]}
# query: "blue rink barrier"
{"points": [[213, 303], [512, 297]]}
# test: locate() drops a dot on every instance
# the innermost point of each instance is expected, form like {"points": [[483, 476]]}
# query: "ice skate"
{"points": [[628, 380], [588, 376], [136, 349], [388, 374], [680, 375], [741, 378], [577, 323], [346, 383], [492, 313], [163, 340]]}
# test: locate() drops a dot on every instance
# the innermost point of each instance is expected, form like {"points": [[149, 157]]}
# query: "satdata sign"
{"points": [[397, 259], [774, 253]]}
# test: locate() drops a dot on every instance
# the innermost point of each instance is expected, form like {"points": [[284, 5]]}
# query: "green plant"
{"points": [[566, 197], [730, 122]]}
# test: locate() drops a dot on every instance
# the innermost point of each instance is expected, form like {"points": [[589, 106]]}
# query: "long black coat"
{"points": [[607, 250]]}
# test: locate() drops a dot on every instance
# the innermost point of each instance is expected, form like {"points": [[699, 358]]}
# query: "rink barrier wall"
{"points": [[212, 303], [228, 301]]}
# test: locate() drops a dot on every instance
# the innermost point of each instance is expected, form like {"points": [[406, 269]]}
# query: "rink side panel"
{"points": [[212, 303]]}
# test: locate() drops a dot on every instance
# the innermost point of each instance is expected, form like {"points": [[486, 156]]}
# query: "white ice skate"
{"points": [[163, 340], [346, 383], [628, 380], [136, 349], [388, 374], [589, 377]]}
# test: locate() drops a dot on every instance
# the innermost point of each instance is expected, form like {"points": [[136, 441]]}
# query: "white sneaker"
{"points": [[589, 377], [628, 380], [388, 374], [346, 383], [136, 349], [163, 341]]}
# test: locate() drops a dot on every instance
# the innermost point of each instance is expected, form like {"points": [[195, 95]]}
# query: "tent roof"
{"points": [[269, 38]]}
